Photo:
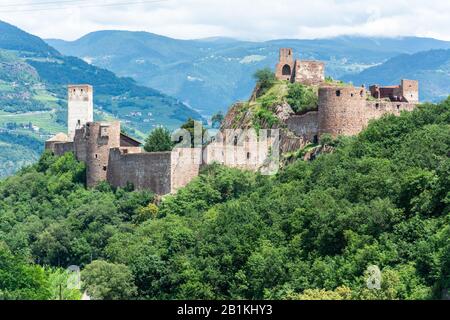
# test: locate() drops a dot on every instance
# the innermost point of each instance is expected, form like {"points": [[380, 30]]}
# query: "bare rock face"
{"points": [[314, 153], [238, 117], [283, 111]]}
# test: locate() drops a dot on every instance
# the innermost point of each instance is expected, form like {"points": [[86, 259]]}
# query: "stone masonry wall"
{"points": [[59, 148], [305, 126], [341, 110], [150, 171], [346, 111], [309, 72], [185, 164]]}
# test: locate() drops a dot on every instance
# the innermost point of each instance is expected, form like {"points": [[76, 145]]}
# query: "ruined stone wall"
{"points": [[92, 145], [59, 148], [305, 126], [376, 109], [309, 72], [62, 148], [241, 149], [185, 166], [146, 171], [80, 107], [342, 110]]}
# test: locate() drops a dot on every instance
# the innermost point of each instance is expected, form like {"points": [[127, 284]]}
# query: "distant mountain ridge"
{"points": [[210, 74], [13, 38]]}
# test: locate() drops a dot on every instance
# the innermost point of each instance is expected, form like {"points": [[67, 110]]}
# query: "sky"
{"points": [[255, 20]]}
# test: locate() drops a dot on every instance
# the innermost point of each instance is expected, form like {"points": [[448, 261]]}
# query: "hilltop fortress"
{"points": [[112, 156]]}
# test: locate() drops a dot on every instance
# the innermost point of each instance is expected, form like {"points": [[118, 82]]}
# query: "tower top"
{"points": [[80, 107]]}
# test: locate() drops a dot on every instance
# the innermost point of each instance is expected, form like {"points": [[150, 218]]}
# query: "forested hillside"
{"points": [[382, 198]]}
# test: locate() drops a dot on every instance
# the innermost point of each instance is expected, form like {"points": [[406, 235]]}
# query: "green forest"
{"points": [[310, 232]]}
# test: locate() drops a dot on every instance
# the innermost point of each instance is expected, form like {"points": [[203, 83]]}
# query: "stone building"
{"points": [[302, 71], [407, 91], [80, 109]]}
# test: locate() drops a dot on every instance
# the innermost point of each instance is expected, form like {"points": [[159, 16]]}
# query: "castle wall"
{"points": [[376, 109], [80, 107], [309, 72], [241, 149], [150, 171], [305, 126], [59, 148], [185, 163]]}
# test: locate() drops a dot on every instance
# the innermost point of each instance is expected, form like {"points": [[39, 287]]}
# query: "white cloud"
{"points": [[243, 19]]}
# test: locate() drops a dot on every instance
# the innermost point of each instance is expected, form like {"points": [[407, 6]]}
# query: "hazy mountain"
{"points": [[431, 68], [33, 88], [210, 74]]}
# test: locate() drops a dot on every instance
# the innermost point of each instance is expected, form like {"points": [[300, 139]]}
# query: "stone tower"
{"points": [[92, 145], [286, 65], [342, 110], [80, 107], [410, 90]]}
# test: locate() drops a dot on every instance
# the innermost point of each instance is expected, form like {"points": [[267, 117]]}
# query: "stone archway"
{"points": [[286, 71]]}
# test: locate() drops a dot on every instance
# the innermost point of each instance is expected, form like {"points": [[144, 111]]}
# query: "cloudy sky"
{"points": [[243, 19]]}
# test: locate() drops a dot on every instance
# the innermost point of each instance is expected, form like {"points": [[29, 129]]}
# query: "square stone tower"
{"points": [[80, 107], [410, 90], [286, 64]]}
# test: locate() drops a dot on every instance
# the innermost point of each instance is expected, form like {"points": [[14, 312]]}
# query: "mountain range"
{"points": [[210, 74]]}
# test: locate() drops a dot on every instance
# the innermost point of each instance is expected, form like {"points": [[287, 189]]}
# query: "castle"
{"points": [[112, 156], [342, 109]]}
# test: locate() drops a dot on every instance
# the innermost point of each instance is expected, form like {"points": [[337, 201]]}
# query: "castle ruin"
{"points": [[112, 156], [303, 71]]}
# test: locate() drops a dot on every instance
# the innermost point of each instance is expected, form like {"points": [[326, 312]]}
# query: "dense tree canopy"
{"points": [[311, 232], [265, 80], [159, 140]]}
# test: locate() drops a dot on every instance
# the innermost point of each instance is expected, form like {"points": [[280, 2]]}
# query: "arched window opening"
{"points": [[286, 70]]}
